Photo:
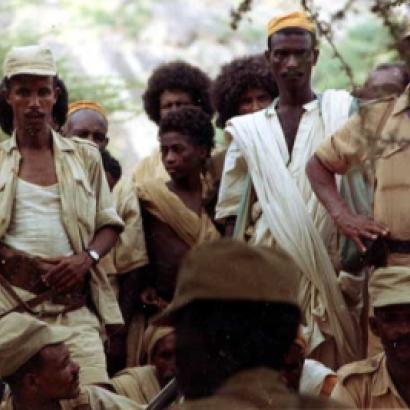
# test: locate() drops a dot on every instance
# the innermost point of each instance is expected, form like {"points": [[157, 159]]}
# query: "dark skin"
{"points": [[184, 161], [171, 100], [353, 226], [32, 99], [163, 359], [57, 378], [291, 58], [252, 100], [392, 324], [88, 124]]}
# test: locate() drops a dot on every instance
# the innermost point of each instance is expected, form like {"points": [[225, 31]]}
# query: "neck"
{"points": [[295, 97], [34, 139], [190, 183], [24, 403]]}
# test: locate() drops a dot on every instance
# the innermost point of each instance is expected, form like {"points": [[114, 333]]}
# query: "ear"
{"points": [[57, 92], [106, 143], [374, 326], [203, 153], [267, 55], [315, 55]]}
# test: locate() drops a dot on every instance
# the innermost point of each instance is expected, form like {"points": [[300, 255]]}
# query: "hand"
{"points": [[67, 273], [359, 227]]}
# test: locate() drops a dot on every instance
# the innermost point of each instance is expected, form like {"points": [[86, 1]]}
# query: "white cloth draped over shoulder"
{"points": [[291, 212]]}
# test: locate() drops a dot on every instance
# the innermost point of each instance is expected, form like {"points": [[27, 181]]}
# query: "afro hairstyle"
{"points": [[237, 77], [191, 122], [177, 75]]}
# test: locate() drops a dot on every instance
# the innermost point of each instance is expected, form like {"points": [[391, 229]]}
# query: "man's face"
{"points": [[58, 378], [253, 99], [389, 81], [392, 324], [164, 359], [171, 100], [180, 156], [88, 124], [32, 99], [291, 58]]}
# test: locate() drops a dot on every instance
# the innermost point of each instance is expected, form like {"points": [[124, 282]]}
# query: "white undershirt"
{"points": [[36, 226]]}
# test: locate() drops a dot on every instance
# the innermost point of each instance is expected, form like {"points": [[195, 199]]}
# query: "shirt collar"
{"points": [[309, 106], [59, 142], [402, 102]]}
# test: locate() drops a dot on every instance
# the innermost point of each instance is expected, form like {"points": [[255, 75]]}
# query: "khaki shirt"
{"points": [[378, 137], [86, 204], [260, 388], [91, 398], [129, 252], [367, 384]]}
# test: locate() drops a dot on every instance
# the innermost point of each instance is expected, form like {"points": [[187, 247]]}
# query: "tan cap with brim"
{"points": [[23, 336], [32, 60], [390, 286], [230, 270]]}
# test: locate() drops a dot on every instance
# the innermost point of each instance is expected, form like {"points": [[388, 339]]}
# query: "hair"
{"points": [[251, 334], [237, 77], [59, 113], [111, 165], [35, 363], [298, 31], [191, 122], [177, 75]]}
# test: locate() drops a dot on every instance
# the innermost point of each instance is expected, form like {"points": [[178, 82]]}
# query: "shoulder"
{"points": [[82, 147], [359, 369]]}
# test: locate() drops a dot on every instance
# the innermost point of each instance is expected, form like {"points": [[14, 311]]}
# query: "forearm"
{"points": [[323, 183], [104, 239], [230, 226]]}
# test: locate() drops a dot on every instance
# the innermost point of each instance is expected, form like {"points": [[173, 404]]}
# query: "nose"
{"points": [[75, 368], [170, 157], [34, 100], [292, 61]]}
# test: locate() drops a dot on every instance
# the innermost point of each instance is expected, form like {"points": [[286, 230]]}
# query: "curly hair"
{"points": [[177, 75], [60, 108], [192, 122], [237, 77]]}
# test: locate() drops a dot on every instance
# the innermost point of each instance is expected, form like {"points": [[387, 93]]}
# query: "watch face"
{"points": [[94, 255]]}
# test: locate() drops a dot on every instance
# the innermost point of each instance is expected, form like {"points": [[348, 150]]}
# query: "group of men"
{"points": [[110, 288]]}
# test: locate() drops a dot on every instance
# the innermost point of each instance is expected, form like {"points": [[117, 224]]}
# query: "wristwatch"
{"points": [[93, 255]]}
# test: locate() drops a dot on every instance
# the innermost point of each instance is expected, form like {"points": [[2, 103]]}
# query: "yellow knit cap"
{"points": [[86, 105], [296, 19]]}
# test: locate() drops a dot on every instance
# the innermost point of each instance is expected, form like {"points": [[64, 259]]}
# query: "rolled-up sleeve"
{"points": [[232, 183]]}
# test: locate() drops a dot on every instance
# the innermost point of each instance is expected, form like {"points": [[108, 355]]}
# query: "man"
{"points": [[382, 381], [234, 327], [173, 212], [171, 86], [266, 160], [88, 120], [385, 80], [142, 384], [36, 364], [58, 218]]}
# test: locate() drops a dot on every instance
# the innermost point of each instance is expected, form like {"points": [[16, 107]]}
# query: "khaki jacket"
{"points": [[260, 388], [367, 384], [86, 204]]}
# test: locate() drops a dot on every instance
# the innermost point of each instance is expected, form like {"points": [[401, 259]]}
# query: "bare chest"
{"points": [[38, 168], [289, 121]]}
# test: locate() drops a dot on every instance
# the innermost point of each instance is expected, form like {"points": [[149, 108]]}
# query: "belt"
{"points": [[397, 246]]}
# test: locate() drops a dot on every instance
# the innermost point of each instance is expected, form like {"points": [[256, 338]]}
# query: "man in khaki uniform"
{"points": [[234, 326], [57, 215], [382, 381], [36, 364]]}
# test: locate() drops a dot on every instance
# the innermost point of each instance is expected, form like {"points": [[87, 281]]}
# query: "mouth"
{"points": [[35, 116]]}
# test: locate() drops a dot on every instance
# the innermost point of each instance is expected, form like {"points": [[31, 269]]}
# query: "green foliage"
{"points": [[364, 45]]}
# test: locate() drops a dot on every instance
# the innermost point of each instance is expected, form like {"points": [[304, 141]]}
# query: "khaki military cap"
{"points": [[390, 286], [21, 338], [231, 270], [34, 60]]}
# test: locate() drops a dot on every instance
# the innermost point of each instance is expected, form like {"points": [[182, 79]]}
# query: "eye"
{"points": [[44, 92], [23, 92]]}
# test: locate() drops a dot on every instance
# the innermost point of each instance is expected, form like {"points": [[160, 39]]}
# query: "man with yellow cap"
{"points": [[36, 365], [143, 383], [88, 120], [383, 381], [234, 326], [265, 194], [58, 217]]}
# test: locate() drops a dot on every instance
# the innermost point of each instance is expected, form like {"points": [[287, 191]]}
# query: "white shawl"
{"points": [[295, 217]]}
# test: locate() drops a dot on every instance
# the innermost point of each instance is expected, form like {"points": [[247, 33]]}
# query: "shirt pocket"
{"points": [[85, 204]]}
